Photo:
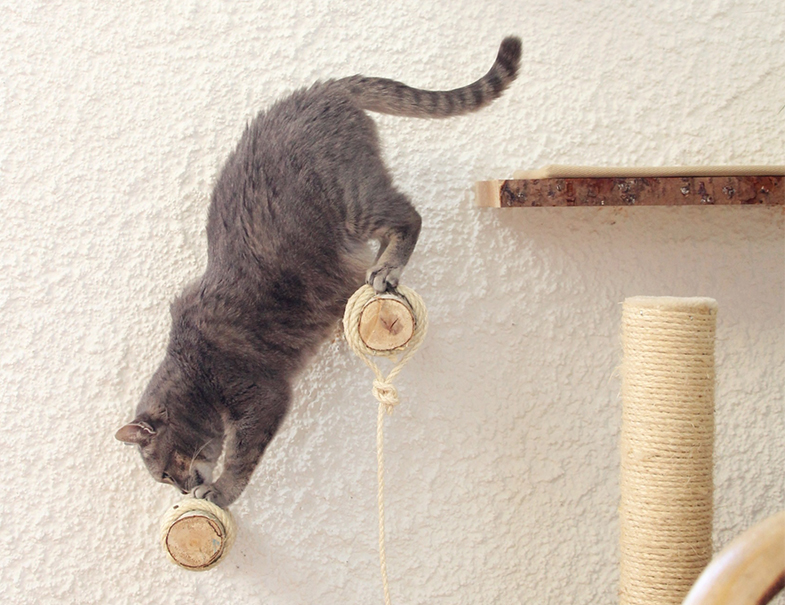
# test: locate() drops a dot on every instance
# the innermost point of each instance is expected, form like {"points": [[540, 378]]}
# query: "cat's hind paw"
{"points": [[383, 278]]}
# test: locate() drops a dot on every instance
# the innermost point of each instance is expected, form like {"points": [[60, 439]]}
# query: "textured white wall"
{"points": [[502, 460]]}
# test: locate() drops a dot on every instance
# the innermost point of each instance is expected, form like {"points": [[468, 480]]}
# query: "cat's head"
{"points": [[175, 449], [166, 459]]}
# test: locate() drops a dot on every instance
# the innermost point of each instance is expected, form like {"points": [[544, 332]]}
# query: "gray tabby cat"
{"points": [[289, 223]]}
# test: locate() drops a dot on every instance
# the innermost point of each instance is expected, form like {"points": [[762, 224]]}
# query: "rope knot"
{"points": [[386, 394]]}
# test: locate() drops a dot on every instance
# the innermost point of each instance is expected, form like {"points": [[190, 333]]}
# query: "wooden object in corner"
{"points": [[749, 571], [566, 186]]}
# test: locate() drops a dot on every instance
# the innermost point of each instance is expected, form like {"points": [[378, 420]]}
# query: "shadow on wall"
{"points": [[692, 251]]}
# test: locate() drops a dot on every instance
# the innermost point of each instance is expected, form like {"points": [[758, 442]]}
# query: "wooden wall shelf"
{"points": [[559, 186]]}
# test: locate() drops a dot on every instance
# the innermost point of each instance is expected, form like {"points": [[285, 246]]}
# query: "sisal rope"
{"points": [[208, 509], [667, 437], [383, 388]]}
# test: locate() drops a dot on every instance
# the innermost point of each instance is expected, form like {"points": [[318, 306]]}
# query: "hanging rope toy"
{"points": [[391, 325], [196, 534]]}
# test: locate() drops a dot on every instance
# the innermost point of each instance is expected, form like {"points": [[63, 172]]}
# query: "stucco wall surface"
{"points": [[502, 463]]}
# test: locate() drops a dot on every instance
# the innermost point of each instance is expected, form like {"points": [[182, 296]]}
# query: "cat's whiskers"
{"points": [[193, 458]]}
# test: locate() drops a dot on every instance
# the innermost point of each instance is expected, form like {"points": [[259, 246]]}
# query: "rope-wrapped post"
{"points": [[389, 325], [196, 534], [667, 438]]}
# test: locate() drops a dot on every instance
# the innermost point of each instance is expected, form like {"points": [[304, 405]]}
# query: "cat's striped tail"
{"points": [[391, 97]]}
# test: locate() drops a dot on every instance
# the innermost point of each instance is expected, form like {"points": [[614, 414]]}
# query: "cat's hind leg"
{"points": [[396, 224]]}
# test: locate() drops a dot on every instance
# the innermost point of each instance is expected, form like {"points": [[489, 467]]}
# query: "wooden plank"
{"points": [[751, 190], [555, 171]]}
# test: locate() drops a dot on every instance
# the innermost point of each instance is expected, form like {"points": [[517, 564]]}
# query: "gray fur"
{"points": [[290, 218]]}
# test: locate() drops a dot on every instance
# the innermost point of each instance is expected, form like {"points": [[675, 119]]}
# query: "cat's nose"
{"points": [[182, 491]]}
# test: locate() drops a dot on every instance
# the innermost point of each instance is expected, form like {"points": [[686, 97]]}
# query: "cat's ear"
{"points": [[135, 433]]}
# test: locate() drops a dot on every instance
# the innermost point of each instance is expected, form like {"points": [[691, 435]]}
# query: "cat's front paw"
{"points": [[209, 492]]}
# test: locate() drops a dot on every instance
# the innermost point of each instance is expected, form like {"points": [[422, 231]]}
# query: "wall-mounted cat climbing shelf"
{"points": [[562, 186]]}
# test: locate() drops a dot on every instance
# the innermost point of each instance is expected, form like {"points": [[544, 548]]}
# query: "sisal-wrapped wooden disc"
{"points": [[196, 540], [386, 323]]}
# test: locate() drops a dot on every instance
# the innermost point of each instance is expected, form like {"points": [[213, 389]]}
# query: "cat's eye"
{"points": [[166, 478]]}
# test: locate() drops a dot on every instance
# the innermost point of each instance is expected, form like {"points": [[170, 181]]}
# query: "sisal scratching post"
{"points": [[667, 438], [197, 534]]}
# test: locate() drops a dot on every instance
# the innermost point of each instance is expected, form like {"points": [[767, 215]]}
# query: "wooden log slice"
{"points": [[763, 190], [196, 540], [386, 323]]}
